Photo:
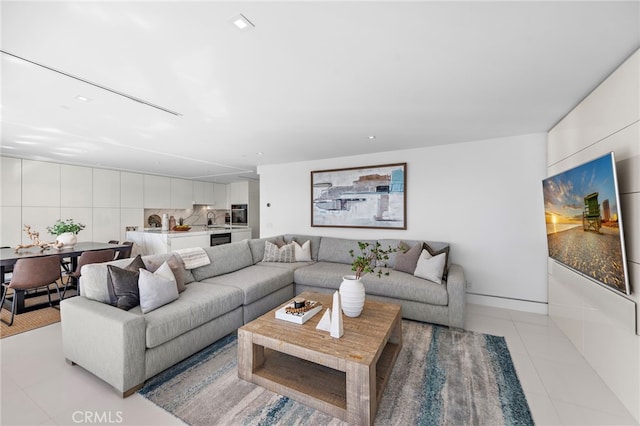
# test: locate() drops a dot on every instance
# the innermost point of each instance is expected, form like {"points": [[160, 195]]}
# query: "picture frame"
{"points": [[360, 197]]}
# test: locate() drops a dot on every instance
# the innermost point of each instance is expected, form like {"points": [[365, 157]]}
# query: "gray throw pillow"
{"points": [[125, 287], [407, 258], [134, 266]]}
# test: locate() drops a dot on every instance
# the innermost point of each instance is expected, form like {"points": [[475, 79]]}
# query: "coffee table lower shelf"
{"points": [[315, 385]]}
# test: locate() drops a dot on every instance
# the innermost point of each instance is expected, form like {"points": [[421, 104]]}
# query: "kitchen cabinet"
{"points": [[11, 227], [181, 194], [131, 190], [239, 235], [106, 188], [157, 192], [203, 192], [40, 184], [220, 196], [76, 186], [238, 192], [178, 243], [11, 174]]}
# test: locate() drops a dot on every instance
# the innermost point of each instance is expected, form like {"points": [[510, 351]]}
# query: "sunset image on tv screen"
{"points": [[583, 222]]}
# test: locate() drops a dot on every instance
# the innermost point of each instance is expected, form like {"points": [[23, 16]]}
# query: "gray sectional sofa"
{"points": [[125, 348]]}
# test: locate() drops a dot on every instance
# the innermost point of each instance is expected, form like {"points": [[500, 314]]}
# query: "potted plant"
{"points": [[372, 259], [66, 231]]}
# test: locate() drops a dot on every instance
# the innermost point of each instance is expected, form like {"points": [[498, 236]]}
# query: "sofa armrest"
{"points": [[106, 341], [456, 283]]}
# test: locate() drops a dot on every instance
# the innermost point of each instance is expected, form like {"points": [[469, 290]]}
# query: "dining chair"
{"points": [[87, 257], [124, 254], [29, 274]]}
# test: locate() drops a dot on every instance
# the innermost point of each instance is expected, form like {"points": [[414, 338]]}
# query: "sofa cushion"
{"points": [[201, 304], [300, 239], [255, 281], [224, 259], [177, 268], [284, 253], [124, 284], [322, 274], [336, 250], [157, 288], [257, 247], [406, 258], [400, 285], [395, 243], [431, 267], [153, 261]]}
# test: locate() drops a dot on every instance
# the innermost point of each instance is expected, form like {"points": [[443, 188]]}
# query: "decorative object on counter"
{"points": [[34, 236], [181, 228], [181, 221], [66, 231], [154, 221], [165, 222], [373, 259], [172, 223], [337, 328]]}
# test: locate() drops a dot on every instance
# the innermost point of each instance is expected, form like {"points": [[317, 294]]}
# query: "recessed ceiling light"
{"points": [[372, 137], [259, 153], [241, 22], [83, 98], [21, 142]]}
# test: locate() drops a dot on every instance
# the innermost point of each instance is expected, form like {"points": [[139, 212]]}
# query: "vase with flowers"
{"points": [[66, 231], [372, 259]]}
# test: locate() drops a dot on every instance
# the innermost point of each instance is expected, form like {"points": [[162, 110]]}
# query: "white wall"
{"points": [[600, 323], [483, 197]]}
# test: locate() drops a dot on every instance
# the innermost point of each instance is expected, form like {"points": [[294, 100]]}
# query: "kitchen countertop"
{"points": [[196, 230]]}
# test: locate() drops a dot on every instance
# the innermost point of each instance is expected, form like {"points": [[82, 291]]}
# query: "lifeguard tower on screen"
{"points": [[591, 220]]}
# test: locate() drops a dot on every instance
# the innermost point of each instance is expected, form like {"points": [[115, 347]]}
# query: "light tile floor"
{"points": [[39, 388]]}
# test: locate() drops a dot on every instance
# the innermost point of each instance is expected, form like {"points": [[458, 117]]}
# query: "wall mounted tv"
{"points": [[584, 224]]}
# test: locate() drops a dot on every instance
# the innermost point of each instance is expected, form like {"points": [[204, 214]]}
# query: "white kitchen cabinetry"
{"points": [[11, 173], [106, 188], [76, 186], [238, 192], [220, 196], [203, 192], [239, 235], [40, 184], [181, 194], [131, 190], [157, 192], [178, 243]]}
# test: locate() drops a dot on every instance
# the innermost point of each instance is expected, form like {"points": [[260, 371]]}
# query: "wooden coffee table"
{"points": [[342, 377]]}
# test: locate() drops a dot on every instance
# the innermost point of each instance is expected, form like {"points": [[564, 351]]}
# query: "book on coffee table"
{"points": [[297, 318]]}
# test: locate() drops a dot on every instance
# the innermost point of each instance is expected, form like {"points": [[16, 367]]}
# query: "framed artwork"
{"points": [[360, 197]]}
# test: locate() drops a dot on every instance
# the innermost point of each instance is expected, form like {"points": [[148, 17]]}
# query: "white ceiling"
{"points": [[311, 80]]}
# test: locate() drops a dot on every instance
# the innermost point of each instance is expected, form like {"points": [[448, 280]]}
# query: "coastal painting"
{"points": [[584, 227], [360, 197]]}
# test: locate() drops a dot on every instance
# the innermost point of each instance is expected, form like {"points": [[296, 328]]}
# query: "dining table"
{"points": [[9, 256]]}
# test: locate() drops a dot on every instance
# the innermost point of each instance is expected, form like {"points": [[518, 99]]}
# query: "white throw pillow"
{"points": [[431, 267], [303, 252], [157, 289]]}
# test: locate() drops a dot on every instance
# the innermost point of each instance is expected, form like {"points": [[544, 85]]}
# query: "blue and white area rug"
{"points": [[441, 377]]}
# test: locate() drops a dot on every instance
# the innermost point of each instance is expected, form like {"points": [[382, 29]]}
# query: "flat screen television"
{"points": [[584, 222]]}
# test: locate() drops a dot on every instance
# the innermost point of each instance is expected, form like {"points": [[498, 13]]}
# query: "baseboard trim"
{"points": [[503, 302]]}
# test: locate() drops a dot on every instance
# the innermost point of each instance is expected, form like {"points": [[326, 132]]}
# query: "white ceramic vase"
{"points": [[352, 296], [68, 239]]}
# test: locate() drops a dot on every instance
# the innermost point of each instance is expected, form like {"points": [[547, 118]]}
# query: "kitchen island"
{"points": [[155, 241]]}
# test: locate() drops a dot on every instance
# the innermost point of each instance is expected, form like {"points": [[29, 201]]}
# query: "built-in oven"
{"points": [[239, 214], [221, 238]]}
